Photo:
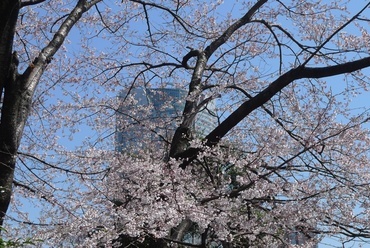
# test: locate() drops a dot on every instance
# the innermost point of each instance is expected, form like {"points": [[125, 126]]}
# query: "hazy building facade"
{"points": [[296, 238], [161, 108]]}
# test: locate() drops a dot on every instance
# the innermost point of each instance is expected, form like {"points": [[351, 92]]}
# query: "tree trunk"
{"points": [[9, 142], [178, 233], [17, 90]]}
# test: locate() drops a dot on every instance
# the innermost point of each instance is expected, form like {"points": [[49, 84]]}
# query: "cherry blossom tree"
{"points": [[289, 154], [17, 88]]}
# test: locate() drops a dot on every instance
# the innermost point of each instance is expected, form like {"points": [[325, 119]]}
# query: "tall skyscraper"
{"points": [[161, 109]]}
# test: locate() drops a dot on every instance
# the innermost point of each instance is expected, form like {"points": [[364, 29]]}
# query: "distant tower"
{"points": [[162, 107], [299, 238]]}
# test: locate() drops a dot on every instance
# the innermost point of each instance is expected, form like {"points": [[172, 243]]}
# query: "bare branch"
{"points": [[31, 2], [175, 16], [60, 168], [335, 33], [234, 27]]}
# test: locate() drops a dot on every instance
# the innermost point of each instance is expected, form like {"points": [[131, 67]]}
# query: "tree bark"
{"points": [[9, 10], [179, 232]]}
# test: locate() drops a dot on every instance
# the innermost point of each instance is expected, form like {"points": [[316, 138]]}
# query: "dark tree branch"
{"points": [[189, 55], [257, 101], [175, 16], [183, 134], [234, 27], [148, 24], [63, 169], [31, 2], [28, 188]]}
